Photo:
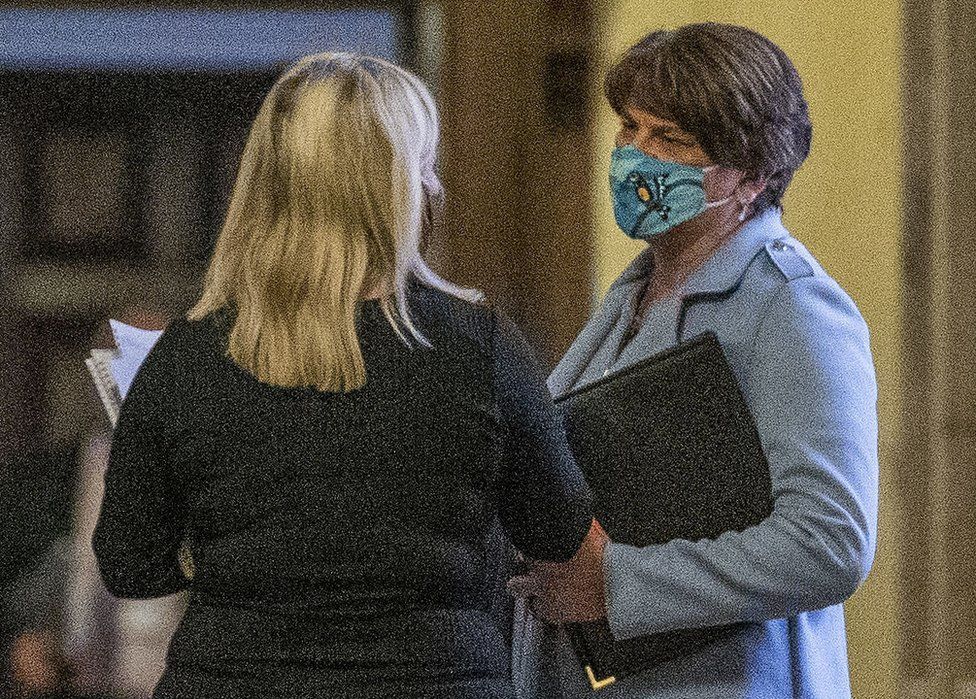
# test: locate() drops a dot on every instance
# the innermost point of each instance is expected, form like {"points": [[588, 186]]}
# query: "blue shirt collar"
{"points": [[726, 267]]}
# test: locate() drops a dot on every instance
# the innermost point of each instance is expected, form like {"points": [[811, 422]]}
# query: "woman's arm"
{"points": [[141, 522], [814, 397], [544, 502]]}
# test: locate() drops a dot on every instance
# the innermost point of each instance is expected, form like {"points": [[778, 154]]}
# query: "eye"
{"points": [[684, 143]]}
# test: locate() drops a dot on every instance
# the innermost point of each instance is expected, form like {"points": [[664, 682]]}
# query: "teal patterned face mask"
{"points": [[651, 196]]}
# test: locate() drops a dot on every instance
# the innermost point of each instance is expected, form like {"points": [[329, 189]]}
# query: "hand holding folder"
{"points": [[571, 591], [671, 451]]}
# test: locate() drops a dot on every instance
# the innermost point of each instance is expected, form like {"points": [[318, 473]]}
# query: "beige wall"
{"points": [[845, 205], [518, 179]]}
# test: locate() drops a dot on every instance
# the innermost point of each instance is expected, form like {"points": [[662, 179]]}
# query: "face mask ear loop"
{"points": [[720, 202], [713, 204]]}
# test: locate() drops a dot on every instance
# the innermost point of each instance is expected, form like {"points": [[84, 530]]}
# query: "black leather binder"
{"points": [[671, 451]]}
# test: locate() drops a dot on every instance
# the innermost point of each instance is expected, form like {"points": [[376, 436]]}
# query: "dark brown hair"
{"points": [[732, 88]]}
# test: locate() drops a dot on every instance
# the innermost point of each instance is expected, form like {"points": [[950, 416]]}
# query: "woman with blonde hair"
{"points": [[336, 430]]}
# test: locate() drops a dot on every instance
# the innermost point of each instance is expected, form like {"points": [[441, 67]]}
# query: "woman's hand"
{"points": [[571, 591], [36, 667]]}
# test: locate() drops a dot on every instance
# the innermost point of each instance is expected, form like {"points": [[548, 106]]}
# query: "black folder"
{"points": [[671, 451]]}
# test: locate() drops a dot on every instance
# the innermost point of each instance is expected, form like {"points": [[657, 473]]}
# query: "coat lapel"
{"points": [[719, 276], [578, 356]]}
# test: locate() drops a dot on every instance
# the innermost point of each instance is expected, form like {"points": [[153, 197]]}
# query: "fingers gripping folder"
{"points": [[671, 451]]}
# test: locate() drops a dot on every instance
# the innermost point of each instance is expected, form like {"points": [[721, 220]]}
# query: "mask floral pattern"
{"points": [[651, 196]]}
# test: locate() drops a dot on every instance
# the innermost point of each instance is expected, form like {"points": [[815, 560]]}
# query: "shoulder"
{"points": [[790, 259], [444, 314], [801, 301], [481, 326], [786, 273]]}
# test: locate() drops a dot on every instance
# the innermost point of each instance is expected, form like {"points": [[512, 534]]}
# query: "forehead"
{"points": [[649, 120]]}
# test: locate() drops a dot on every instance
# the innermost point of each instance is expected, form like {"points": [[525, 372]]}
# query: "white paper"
{"points": [[100, 367], [133, 345]]}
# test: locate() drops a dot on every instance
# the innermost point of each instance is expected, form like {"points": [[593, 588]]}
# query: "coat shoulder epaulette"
{"points": [[788, 260]]}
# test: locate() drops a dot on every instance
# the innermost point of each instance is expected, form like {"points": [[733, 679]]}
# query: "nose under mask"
{"points": [[651, 196]]}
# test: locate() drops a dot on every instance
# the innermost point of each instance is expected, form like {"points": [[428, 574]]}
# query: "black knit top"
{"points": [[342, 543]]}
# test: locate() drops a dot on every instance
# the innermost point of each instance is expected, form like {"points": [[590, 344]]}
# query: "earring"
{"points": [[742, 214]]}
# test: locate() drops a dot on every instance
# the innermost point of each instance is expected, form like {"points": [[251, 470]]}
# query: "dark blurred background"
{"points": [[121, 127]]}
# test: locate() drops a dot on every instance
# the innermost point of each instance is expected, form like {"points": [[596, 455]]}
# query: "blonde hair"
{"points": [[335, 189]]}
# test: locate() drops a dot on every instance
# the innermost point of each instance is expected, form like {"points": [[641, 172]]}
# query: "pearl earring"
{"points": [[742, 214]]}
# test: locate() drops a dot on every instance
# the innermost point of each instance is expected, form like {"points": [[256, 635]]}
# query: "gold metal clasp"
{"points": [[598, 684], [186, 561]]}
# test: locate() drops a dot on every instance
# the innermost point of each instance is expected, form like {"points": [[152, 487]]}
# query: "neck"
{"points": [[680, 252]]}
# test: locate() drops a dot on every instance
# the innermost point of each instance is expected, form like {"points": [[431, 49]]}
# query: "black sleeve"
{"points": [[544, 502], [141, 522]]}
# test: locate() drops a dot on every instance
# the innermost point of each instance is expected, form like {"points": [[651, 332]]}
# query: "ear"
{"points": [[748, 190]]}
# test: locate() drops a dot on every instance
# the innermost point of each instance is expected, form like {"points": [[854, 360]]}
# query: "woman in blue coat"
{"points": [[713, 125]]}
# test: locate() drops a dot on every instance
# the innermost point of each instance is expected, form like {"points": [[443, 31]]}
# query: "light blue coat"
{"points": [[801, 353]]}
